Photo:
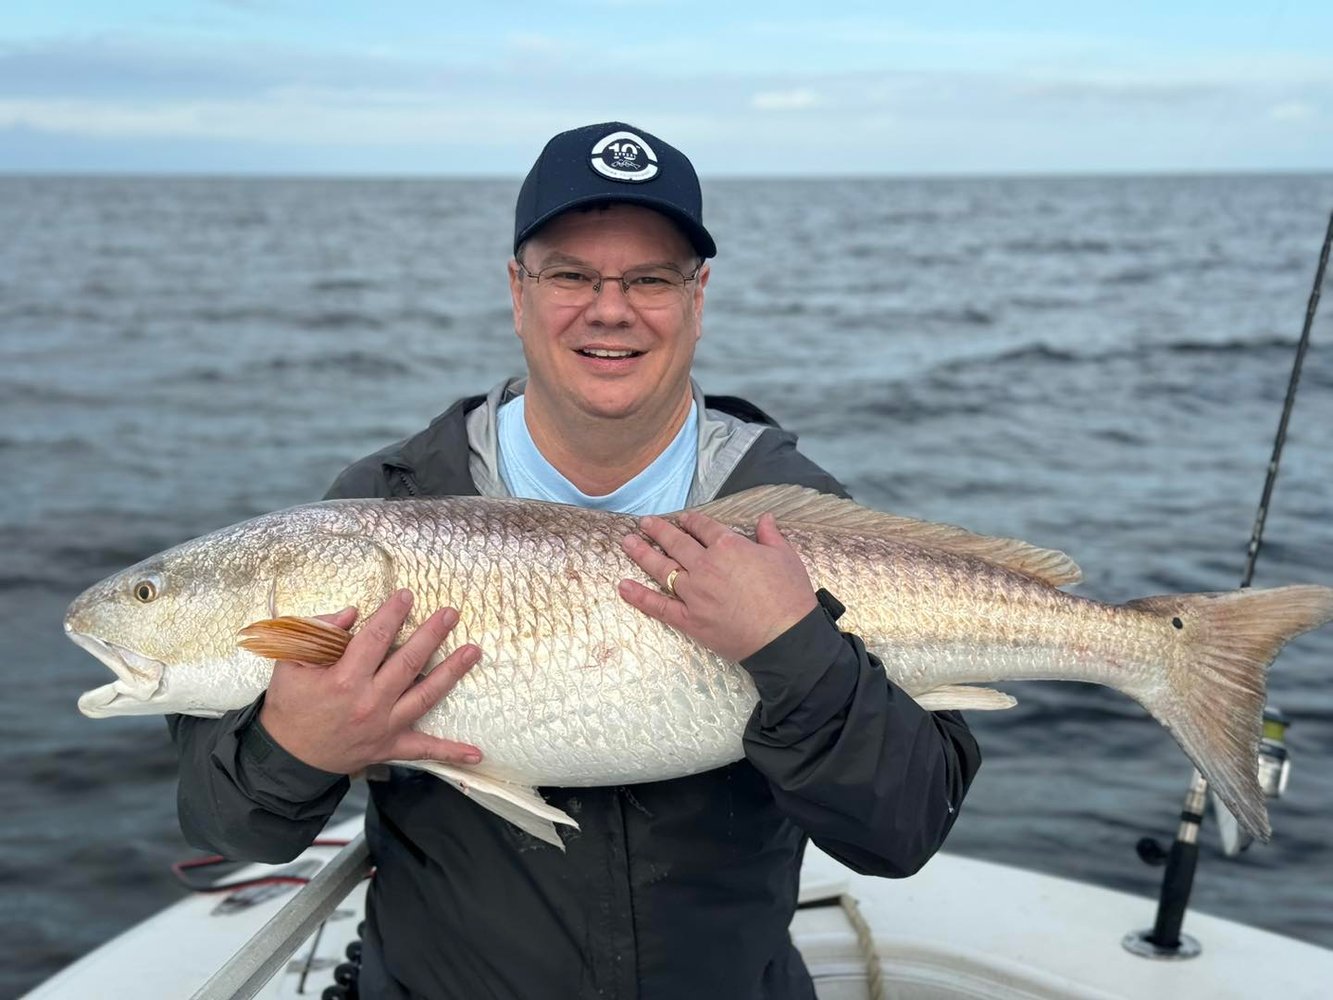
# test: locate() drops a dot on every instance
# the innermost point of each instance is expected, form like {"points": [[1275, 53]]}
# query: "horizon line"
{"points": [[1055, 174]]}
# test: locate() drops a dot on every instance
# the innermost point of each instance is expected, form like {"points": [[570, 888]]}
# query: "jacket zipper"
{"points": [[401, 476]]}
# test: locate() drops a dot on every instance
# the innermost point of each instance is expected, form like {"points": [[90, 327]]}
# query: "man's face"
{"points": [[558, 337]]}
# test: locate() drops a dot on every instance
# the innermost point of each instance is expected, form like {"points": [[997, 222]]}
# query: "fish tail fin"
{"points": [[1212, 699], [309, 640]]}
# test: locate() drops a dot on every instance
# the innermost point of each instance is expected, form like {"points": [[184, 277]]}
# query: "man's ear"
{"points": [[699, 282], [516, 294]]}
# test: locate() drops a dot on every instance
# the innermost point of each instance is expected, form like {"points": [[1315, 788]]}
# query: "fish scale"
{"points": [[540, 684], [577, 687]]}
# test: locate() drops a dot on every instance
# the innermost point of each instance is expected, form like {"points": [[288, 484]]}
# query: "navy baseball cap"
{"points": [[612, 162]]}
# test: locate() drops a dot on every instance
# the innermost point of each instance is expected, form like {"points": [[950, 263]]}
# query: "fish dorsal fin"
{"points": [[807, 507]]}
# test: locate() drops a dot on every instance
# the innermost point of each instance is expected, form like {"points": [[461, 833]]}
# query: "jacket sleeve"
{"points": [[872, 777], [240, 793]]}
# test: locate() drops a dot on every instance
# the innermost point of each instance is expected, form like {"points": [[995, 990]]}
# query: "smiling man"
{"points": [[680, 888], [608, 351]]}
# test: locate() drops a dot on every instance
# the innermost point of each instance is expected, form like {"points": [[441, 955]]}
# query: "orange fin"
{"points": [[288, 638]]}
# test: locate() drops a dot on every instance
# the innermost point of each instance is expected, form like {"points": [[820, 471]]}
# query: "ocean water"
{"points": [[1092, 364]]}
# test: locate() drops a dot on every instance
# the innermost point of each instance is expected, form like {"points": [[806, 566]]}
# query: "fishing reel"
{"points": [[1164, 939], [1274, 770]]}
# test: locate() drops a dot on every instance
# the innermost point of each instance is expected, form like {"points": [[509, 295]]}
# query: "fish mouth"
{"points": [[139, 685]]}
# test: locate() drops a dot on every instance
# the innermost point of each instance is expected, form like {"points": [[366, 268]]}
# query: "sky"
{"points": [[433, 87]]}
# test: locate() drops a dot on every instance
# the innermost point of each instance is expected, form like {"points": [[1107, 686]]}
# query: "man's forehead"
{"points": [[545, 257], [578, 231]]}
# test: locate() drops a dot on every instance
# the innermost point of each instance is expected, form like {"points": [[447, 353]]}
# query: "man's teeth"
{"points": [[598, 352]]}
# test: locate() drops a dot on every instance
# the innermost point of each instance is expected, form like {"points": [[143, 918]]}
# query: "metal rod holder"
{"points": [[262, 956]]}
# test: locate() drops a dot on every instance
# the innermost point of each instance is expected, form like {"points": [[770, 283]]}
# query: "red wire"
{"points": [[180, 867]]}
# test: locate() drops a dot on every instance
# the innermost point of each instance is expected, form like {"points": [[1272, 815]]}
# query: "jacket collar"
{"points": [[431, 463]]}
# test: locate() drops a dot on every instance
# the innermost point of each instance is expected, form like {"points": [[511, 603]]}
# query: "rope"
{"points": [[865, 940]]}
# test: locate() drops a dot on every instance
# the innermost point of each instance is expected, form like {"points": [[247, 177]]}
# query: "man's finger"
{"points": [[655, 604], [369, 647], [766, 532], [343, 618], [656, 564], [679, 545], [402, 668], [703, 527], [413, 745], [421, 697]]}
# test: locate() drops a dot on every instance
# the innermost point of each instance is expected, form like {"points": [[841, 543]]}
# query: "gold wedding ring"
{"points": [[671, 581]]}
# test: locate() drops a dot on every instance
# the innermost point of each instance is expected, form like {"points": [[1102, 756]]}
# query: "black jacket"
{"points": [[672, 889]]}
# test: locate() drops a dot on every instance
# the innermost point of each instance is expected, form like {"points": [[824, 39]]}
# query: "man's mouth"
{"points": [[612, 353]]}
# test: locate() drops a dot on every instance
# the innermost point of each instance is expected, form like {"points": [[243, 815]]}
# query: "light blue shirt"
{"points": [[661, 488]]}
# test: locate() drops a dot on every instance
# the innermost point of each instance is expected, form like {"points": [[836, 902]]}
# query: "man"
{"points": [[680, 888]]}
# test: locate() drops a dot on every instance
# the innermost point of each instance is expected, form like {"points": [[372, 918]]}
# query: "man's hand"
{"points": [[360, 710], [732, 594]]}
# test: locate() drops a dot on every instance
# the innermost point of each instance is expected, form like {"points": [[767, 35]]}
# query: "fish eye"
{"points": [[145, 591]]}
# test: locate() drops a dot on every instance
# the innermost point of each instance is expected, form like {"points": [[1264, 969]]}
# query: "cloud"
{"points": [[797, 99], [893, 41], [1122, 90], [467, 108], [1292, 111], [541, 46], [289, 115], [119, 68]]}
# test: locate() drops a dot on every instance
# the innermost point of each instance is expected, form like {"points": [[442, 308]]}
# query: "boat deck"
{"points": [[959, 928]]}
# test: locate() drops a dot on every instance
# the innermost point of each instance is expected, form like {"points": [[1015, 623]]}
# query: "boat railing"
{"points": [[246, 972]]}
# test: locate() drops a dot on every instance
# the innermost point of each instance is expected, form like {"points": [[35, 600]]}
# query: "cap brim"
{"points": [[695, 233]]}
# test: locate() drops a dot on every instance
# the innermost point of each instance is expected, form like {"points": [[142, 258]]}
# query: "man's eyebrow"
{"points": [[663, 262], [560, 257]]}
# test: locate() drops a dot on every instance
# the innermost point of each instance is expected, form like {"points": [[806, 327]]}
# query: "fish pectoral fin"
{"points": [[960, 696], [306, 639], [518, 804], [800, 506]]}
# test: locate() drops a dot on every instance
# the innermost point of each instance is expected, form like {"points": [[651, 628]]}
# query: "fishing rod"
{"points": [[1165, 939]]}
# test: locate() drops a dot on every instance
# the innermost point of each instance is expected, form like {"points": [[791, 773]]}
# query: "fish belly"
{"points": [[599, 708], [575, 686]]}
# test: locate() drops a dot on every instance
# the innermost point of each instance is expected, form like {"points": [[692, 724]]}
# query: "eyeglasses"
{"points": [[645, 287]]}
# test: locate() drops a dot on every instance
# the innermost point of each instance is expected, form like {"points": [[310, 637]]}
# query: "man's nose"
{"points": [[610, 304]]}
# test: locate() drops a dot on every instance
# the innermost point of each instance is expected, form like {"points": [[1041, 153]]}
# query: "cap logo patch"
{"points": [[624, 156]]}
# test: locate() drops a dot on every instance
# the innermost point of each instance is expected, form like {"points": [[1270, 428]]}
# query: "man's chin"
{"points": [[627, 402], [629, 398]]}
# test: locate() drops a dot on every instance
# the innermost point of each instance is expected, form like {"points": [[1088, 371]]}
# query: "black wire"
{"points": [[1256, 537]]}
